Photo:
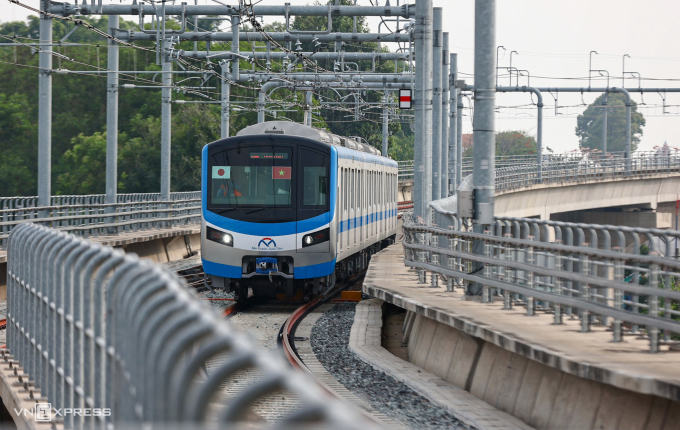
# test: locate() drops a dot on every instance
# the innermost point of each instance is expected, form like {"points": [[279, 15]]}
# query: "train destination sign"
{"points": [[269, 155]]}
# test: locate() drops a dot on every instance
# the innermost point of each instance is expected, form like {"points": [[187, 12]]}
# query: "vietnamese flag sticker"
{"points": [[281, 172]]}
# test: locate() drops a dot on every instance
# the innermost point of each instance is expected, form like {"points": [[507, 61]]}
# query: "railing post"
{"points": [[435, 261], [557, 307], [653, 331], [531, 305], [585, 293]]}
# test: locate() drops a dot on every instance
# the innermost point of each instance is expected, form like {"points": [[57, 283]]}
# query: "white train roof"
{"points": [[294, 129]]}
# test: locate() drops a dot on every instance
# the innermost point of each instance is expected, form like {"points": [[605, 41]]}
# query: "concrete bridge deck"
{"points": [[549, 376]]}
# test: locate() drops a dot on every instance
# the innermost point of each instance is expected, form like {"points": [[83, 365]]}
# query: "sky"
{"points": [[553, 40]]}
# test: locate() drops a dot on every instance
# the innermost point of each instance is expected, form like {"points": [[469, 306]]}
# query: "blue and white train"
{"points": [[287, 207]]}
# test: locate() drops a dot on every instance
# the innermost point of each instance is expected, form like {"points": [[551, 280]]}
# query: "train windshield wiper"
{"points": [[258, 209], [225, 211]]}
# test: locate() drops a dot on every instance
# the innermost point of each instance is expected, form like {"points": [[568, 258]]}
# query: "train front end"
{"points": [[268, 207]]}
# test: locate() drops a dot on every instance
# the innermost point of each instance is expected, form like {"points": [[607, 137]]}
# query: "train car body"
{"points": [[286, 207]]}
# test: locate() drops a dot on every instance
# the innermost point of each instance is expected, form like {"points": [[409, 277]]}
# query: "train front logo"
{"points": [[266, 242]]}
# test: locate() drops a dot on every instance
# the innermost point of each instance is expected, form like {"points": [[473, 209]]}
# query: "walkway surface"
{"points": [[592, 355]]}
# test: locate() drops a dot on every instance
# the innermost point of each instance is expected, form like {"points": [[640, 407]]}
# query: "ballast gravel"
{"points": [[330, 339]]}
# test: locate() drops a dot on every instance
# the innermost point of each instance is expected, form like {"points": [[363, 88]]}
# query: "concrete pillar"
{"points": [[423, 113]]}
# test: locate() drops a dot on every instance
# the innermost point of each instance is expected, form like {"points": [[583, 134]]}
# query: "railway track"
{"points": [[275, 407]]}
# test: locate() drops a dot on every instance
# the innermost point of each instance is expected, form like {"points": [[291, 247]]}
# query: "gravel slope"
{"points": [[330, 337]]}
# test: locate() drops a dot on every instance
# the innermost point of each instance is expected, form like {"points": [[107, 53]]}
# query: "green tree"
{"points": [[18, 147], [515, 143], [589, 124], [83, 166], [512, 142]]}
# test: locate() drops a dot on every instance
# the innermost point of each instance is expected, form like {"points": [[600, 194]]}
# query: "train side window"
{"points": [[344, 189]]}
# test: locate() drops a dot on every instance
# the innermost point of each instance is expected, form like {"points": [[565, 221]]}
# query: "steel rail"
{"points": [[287, 335]]}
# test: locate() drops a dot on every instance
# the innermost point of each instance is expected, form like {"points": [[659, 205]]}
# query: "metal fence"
{"points": [[405, 170], [88, 216], [594, 272], [578, 168], [518, 171], [91, 327]]}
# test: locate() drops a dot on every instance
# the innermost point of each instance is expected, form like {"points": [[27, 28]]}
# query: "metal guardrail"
{"points": [[578, 169], [518, 171], [91, 199], [405, 170], [86, 216], [562, 268], [93, 328]]}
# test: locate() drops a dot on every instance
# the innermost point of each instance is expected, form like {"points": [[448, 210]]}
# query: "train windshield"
{"points": [[251, 176], [269, 183]]}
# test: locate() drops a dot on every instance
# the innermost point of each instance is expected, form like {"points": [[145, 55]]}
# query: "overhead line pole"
{"points": [[436, 101], [444, 154], [45, 109], [452, 152], [224, 103], [166, 122], [385, 126], [423, 113], [484, 127], [112, 119]]}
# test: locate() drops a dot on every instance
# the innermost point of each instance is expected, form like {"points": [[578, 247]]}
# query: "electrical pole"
{"points": [[459, 140], [166, 122], [444, 154], [45, 109], [453, 126], [226, 87], [385, 126], [436, 102], [483, 126], [423, 112], [112, 120], [604, 123]]}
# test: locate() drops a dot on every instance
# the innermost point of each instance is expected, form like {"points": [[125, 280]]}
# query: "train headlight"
{"points": [[219, 236], [316, 237]]}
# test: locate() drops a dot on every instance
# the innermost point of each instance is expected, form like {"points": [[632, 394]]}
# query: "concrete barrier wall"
{"points": [[539, 395], [543, 200], [405, 191]]}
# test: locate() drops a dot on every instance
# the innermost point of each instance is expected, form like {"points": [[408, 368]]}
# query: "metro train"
{"points": [[289, 208]]}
